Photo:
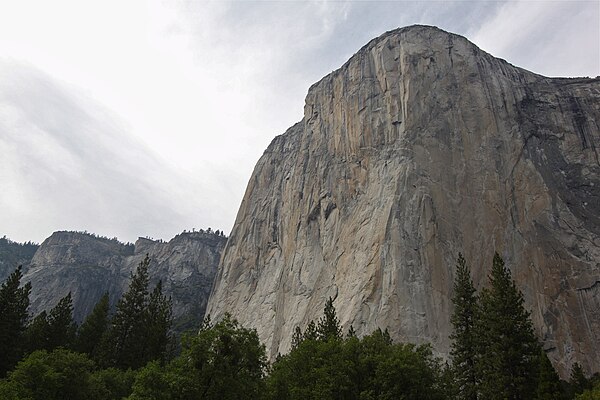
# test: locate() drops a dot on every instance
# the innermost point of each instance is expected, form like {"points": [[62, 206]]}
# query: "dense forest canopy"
{"points": [[130, 353]]}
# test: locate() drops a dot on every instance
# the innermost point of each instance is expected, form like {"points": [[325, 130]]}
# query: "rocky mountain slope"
{"points": [[88, 266], [419, 147], [13, 254]]}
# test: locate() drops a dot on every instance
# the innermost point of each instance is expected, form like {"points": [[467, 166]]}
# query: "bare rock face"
{"points": [[88, 266], [85, 265], [13, 254], [419, 147]]}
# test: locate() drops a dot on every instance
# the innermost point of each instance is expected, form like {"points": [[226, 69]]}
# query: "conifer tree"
{"points": [[507, 346], [548, 382], [311, 331], [14, 301], [578, 381], [61, 327], [93, 328], [48, 331], [351, 332], [159, 318], [297, 338], [140, 329], [37, 333], [123, 345], [464, 350], [329, 326]]}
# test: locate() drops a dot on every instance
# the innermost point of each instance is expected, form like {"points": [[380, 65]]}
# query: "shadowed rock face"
{"points": [[13, 254], [419, 147], [88, 266]]}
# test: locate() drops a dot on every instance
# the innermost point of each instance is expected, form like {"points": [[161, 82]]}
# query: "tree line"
{"points": [[137, 332], [129, 354]]}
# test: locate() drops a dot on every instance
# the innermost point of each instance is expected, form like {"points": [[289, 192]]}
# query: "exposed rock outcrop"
{"points": [[13, 254], [421, 146], [88, 266]]}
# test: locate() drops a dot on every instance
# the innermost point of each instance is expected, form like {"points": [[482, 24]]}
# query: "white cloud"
{"points": [[150, 115], [553, 38], [68, 164]]}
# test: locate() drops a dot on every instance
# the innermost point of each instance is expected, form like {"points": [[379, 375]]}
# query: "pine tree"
{"points": [[507, 346], [93, 328], [310, 333], [159, 319], [548, 382], [61, 327], [140, 329], [578, 381], [124, 343], [463, 336], [37, 333], [329, 326], [351, 332], [297, 338], [14, 301], [48, 331]]}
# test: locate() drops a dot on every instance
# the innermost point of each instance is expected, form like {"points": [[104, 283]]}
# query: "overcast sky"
{"points": [[145, 118]]}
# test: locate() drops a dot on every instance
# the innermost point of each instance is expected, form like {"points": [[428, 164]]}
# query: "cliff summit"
{"points": [[419, 147]]}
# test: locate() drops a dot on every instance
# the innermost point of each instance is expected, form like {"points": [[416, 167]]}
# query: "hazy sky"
{"points": [[145, 118]]}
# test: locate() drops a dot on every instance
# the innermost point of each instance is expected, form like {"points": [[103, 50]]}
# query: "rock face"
{"points": [[419, 147], [88, 266], [13, 254]]}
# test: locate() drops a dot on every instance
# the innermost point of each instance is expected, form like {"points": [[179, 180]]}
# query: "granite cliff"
{"points": [[419, 147], [88, 266], [13, 254]]}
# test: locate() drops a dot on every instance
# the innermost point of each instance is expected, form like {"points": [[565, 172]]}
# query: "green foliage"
{"points": [[329, 327], [56, 375], [37, 333], [548, 382], [314, 370], [14, 301], [48, 331], [89, 335], [391, 371], [371, 368], [494, 353], [154, 383], [464, 336], [229, 360], [590, 394], [325, 366], [224, 361], [139, 330], [113, 383], [447, 383], [578, 382], [351, 332], [409, 372], [159, 318], [506, 345], [297, 338], [311, 332], [125, 345], [61, 327]]}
